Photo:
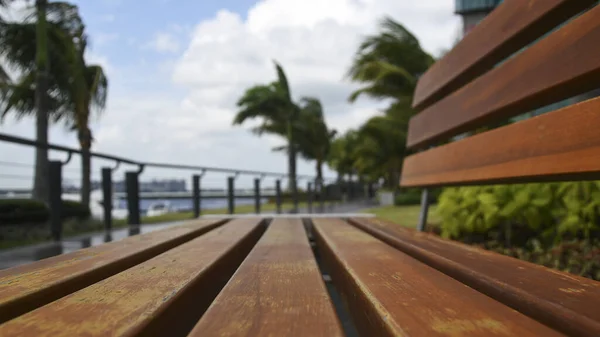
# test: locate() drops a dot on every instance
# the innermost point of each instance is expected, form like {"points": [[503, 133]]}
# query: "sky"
{"points": [[177, 68]]}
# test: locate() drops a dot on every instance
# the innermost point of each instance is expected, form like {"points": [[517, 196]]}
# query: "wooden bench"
{"points": [[284, 276]]}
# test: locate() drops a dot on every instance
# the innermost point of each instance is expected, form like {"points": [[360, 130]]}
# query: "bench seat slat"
{"points": [[277, 291], [559, 66], [564, 301], [391, 294], [24, 288], [163, 296], [559, 145], [511, 26]]}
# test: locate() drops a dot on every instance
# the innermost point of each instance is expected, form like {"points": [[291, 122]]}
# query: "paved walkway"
{"points": [[26, 254]]}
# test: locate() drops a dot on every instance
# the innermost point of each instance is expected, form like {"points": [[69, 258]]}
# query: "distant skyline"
{"points": [[176, 69]]}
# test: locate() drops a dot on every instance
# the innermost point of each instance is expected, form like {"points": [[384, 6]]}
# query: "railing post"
{"points": [[424, 210], [278, 195], [309, 197], [321, 196], [107, 197], [133, 197], [196, 198], [230, 196], [350, 190], [55, 202], [257, 195], [295, 195]]}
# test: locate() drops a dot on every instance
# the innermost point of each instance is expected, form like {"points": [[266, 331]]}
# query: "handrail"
{"points": [[70, 150]]}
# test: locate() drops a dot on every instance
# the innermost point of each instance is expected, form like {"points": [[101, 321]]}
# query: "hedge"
{"points": [[19, 211], [553, 224], [29, 211]]}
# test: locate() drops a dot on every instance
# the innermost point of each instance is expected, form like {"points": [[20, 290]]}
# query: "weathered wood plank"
{"points": [[559, 145], [30, 286], [563, 301], [391, 294], [511, 26], [165, 295], [563, 64], [277, 291]]}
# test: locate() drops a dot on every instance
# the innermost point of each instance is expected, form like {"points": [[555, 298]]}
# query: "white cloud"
{"points": [[164, 43], [314, 40], [185, 116]]}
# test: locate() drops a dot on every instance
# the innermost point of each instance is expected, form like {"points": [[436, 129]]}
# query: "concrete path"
{"points": [[26, 254]]}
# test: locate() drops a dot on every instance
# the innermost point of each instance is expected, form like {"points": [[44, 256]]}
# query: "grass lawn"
{"points": [[407, 216]]}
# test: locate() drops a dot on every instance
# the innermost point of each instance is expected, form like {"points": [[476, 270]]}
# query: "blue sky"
{"points": [[176, 69]]}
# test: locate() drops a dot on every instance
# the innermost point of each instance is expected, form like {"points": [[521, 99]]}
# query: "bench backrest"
{"points": [[525, 55]]}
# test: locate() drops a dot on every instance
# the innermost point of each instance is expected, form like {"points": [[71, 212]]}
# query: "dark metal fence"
{"points": [[317, 192]]}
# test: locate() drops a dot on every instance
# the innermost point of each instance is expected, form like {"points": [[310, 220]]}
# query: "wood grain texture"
{"points": [[563, 301], [163, 296], [511, 26], [391, 294], [563, 64], [30, 286], [559, 145], [277, 291]]}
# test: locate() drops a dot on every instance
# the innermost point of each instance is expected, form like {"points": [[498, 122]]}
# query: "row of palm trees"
{"points": [[54, 83], [301, 124], [387, 65]]}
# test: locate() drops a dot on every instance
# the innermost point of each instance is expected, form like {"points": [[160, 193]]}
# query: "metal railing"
{"points": [[316, 193]]}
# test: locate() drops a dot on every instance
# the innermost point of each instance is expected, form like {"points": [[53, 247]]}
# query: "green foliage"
{"points": [[22, 211], [389, 62], [31, 212], [74, 209], [549, 212], [412, 196]]}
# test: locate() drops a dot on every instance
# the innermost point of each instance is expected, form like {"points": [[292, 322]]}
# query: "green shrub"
{"points": [[74, 209], [412, 196], [19, 211], [29, 211], [549, 212]]}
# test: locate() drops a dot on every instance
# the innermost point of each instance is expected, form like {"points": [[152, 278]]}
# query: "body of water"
{"points": [[186, 204]]}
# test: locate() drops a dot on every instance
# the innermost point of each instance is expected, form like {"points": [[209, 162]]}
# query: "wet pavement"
{"points": [[22, 255], [17, 256]]}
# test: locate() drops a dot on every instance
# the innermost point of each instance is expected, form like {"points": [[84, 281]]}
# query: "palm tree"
{"points": [[342, 155], [45, 37], [87, 93], [313, 137], [389, 63], [38, 91], [381, 147], [273, 104]]}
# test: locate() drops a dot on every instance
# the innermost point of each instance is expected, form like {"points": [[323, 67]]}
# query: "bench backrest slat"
{"points": [[559, 66], [559, 145], [513, 25]]}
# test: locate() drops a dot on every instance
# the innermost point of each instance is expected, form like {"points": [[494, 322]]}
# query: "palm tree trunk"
{"points": [[319, 170], [40, 185], [292, 176], [85, 143], [293, 186]]}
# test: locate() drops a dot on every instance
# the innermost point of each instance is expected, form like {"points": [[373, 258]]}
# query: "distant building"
{"points": [[473, 11], [171, 185]]}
